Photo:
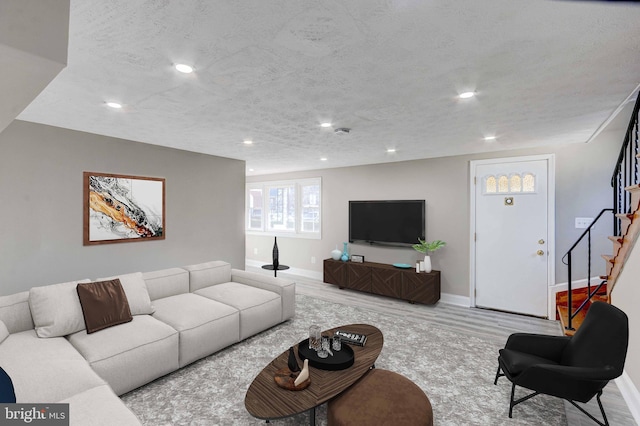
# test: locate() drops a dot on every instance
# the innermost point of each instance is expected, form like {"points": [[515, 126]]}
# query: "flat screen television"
{"points": [[390, 222]]}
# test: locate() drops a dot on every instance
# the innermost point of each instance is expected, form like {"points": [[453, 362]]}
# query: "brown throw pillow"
{"points": [[104, 304]]}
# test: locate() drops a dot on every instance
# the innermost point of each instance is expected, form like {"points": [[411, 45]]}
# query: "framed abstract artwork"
{"points": [[121, 208]]}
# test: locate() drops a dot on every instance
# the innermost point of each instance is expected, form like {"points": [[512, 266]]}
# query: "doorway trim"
{"points": [[551, 208]]}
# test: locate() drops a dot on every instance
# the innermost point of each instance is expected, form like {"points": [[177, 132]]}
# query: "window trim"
{"points": [[298, 184]]}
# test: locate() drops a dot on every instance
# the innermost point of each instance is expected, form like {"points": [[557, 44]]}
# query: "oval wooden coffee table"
{"points": [[266, 401]]}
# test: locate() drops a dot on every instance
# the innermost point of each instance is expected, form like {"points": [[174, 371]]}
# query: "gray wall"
{"points": [[582, 189], [41, 206]]}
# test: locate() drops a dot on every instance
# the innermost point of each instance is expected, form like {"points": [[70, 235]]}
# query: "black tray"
{"points": [[340, 360]]}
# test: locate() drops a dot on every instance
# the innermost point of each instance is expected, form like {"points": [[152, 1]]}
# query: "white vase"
{"points": [[336, 254], [427, 263]]}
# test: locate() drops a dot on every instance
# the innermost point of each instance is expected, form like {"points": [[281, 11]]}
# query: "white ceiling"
{"points": [[544, 72]]}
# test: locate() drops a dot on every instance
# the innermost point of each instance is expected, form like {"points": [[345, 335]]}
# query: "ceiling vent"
{"points": [[342, 131]]}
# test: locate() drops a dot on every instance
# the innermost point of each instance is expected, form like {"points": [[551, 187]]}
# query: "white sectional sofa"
{"points": [[179, 315]]}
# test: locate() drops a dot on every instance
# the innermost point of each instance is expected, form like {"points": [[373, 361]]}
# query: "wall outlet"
{"points": [[255, 251], [583, 222], [313, 259]]}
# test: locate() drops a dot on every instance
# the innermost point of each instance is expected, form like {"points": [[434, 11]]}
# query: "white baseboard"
{"points": [[454, 299], [630, 394]]}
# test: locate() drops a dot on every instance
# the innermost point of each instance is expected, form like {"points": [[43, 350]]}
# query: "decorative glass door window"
{"points": [[512, 183]]}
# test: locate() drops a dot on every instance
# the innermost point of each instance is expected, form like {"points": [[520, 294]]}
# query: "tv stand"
{"points": [[385, 280]]}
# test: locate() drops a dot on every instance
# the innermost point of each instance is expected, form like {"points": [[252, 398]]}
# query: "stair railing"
{"points": [[626, 171], [566, 259]]}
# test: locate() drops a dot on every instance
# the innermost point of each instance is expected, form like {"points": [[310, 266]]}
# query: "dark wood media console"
{"points": [[383, 279]]}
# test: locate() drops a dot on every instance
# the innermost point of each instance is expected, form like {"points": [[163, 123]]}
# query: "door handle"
{"points": [[540, 241], [540, 253]]}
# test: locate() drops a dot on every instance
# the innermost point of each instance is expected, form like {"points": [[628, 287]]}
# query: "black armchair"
{"points": [[574, 368]]}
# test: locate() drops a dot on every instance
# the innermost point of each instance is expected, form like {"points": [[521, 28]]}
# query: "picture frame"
{"points": [[356, 258], [122, 208]]}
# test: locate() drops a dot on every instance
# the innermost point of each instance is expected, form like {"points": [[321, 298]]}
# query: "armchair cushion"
{"points": [[515, 362], [601, 340], [561, 381], [549, 347]]}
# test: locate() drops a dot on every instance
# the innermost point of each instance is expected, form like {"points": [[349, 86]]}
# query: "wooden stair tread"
{"points": [[632, 188], [575, 322], [625, 216], [617, 239], [609, 258]]}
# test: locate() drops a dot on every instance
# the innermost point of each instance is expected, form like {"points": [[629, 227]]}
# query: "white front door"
{"points": [[512, 251]]}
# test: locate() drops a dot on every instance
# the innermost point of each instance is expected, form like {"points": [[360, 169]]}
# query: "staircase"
{"points": [[573, 304]]}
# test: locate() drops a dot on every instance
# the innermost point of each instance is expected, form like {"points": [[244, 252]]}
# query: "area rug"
{"points": [[456, 371]]}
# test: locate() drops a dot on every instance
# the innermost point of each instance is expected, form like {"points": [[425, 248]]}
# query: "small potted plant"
{"points": [[427, 247]]}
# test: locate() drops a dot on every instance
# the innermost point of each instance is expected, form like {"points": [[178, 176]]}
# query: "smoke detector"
{"points": [[342, 131]]}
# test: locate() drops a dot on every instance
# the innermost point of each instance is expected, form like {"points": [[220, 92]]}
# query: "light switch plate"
{"points": [[583, 222]]}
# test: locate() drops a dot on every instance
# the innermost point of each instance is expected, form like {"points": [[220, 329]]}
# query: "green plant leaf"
{"points": [[424, 246]]}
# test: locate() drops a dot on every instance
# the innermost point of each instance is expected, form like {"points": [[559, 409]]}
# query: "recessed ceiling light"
{"points": [[184, 68], [490, 138], [391, 150], [466, 95], [325, 124], [250, 170], [323, 159], [248, 142], [114, 105]]}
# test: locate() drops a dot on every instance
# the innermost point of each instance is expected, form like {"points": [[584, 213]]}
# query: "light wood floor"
{"points": [[481, 322]]}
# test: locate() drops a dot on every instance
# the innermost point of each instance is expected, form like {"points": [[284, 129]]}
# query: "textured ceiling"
{"points": [[544, 72]]}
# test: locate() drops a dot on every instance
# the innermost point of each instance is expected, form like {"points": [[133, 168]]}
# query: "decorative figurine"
{"points": [[304, 374], [275, 254]]}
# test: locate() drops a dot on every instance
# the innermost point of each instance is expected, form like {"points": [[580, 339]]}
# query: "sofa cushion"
{"points": [[104, 304], [15, 312], [132, 354], [166, 282], [136, 290], [4, 333], [45, 370], [208, 274], [99, 406], [285, 287], [56, 309], [259, 309], [205, 325]]}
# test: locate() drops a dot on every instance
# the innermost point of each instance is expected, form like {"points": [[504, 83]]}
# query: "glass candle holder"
{"points": [[314, 338], [336, 343], [324, 347]]}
